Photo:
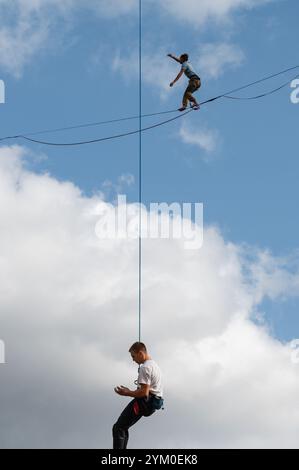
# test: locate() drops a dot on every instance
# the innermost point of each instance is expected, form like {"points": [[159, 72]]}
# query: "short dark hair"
{"points": [[185, 57], [137, 347]]}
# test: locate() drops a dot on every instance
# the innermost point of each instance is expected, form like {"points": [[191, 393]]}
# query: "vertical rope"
{"points": [[140, 172]]}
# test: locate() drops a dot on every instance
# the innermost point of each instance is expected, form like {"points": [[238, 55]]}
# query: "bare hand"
{"points": [[121, 390]]}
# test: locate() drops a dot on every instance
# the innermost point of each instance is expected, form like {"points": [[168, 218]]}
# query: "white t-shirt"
{"points": [[150, 374], [188, 70]]}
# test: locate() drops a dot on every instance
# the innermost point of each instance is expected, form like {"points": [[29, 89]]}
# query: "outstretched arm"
{"points": [[174, 58], [177, 78]]}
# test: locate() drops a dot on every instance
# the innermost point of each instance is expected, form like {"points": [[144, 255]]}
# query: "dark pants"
{"points": [[194, 84], [131, 414]]}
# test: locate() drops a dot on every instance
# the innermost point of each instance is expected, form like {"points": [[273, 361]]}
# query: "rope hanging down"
{"points": [[263, 94], [140, 176], [117, 136], [87, 125]]}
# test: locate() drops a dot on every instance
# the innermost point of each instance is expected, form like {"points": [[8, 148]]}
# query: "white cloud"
{"points": [[123, 181], [68, 306], [28, 26], [273, 277], [25, 29], [215, 58], [199, 13], [126, 179], [114, 8], [157, 70], [203, 138], [19, 43]]}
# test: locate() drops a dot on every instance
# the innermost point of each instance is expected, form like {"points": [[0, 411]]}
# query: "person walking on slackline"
{"points": [[194, 81], [147, 398]]}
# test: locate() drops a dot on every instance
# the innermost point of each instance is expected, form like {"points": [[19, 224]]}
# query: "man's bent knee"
{"points": [[116, 429]]}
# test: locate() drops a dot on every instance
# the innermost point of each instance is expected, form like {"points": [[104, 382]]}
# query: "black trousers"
{"points": [[137, 408]]}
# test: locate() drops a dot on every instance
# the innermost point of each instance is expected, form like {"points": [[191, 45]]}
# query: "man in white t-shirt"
{"points": [[194, 81], [147, 398]]}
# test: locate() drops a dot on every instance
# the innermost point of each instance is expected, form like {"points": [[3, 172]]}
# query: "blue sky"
{"points": [[71, 62], [248, 183]]}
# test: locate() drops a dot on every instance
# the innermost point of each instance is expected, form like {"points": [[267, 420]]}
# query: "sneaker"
{"points": [[195, 106], [183, 108]]}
